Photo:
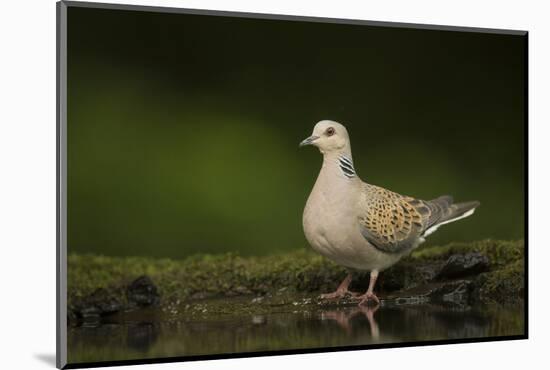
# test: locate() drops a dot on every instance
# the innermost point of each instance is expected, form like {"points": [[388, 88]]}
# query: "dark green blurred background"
{"points": [[183, 130]]}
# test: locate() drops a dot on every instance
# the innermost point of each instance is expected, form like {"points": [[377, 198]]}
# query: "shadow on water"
{"points": [[314, 327]]}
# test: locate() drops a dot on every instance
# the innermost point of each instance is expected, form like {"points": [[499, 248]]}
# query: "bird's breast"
{"points": [[331, 227], [329, 223]]}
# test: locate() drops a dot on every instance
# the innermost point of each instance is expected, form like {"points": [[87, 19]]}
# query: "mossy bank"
{"points": [[487, 271]]}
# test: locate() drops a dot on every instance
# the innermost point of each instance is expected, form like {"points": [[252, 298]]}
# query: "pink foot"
{"points": [[368, 296]]}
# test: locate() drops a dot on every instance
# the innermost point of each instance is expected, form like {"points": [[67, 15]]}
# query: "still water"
{"points": [[147, 334]]}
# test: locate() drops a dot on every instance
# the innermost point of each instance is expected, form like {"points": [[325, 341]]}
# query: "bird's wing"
{"points": [[393, 223]]}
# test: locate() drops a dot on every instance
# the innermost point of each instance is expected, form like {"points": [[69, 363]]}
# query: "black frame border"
{"points": [[61, 184]]}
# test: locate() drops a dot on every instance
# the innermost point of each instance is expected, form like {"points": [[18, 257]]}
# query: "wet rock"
{"points": [[99, 303], [90, 312], [142, 292], [450, 288], [412, 300], [241, 290], [404, 275], [428, 272], [105, 302], [455, 292], [460, 265]]}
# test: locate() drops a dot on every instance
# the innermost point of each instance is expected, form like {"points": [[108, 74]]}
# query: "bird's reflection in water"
{"points": [[345, 316], [313, 327]]}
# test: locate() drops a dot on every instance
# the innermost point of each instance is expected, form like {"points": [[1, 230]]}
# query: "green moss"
{"points": [[298, 271], [499, 252], [503, 285], [225, 274]]}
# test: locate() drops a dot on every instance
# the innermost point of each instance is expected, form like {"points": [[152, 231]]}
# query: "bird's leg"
{"points": [[341, 291], [370, 292]]}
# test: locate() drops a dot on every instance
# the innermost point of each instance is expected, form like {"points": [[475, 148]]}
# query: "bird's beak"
{"points": [[309, 140]]}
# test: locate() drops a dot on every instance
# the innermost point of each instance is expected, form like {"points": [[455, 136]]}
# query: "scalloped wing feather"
{"points": [[394, 223]]}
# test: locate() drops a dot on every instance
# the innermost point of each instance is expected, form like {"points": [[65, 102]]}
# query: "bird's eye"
{"points": [[330, 131]]}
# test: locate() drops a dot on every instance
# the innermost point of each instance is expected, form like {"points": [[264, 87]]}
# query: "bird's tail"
{"points": [[451, 212]]}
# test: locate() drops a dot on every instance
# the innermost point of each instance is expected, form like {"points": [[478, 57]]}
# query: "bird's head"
{"points": [[329, 136]]}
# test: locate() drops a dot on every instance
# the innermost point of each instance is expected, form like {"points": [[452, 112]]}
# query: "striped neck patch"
{"points": [[346, 165]]}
